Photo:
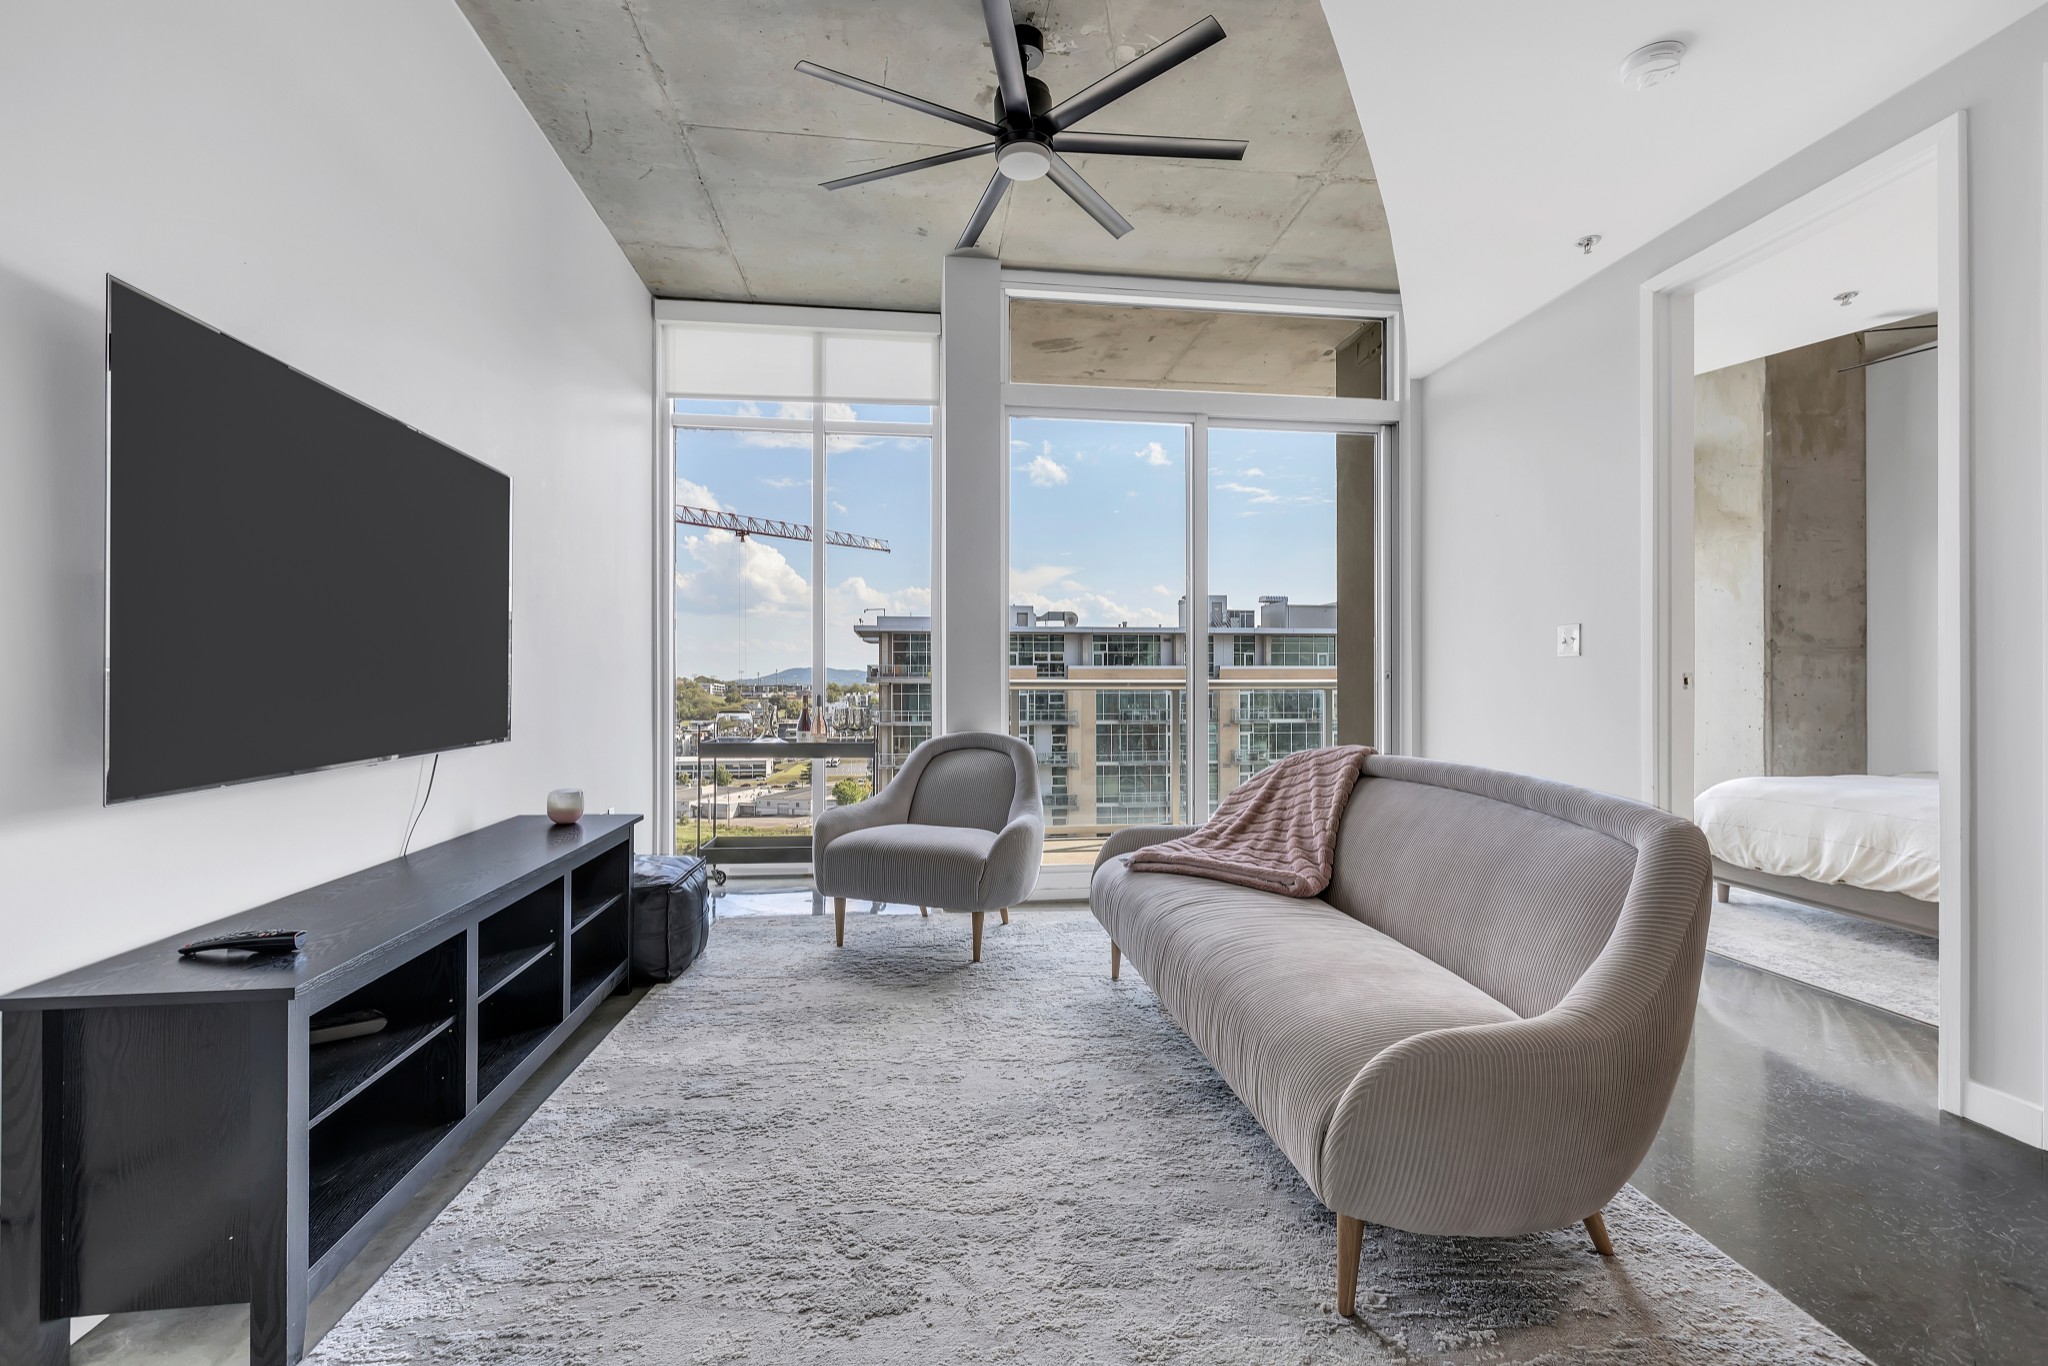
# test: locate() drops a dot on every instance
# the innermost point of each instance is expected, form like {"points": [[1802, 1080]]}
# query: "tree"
{"points": [[847, 791], [720, 777], [696, 699]]}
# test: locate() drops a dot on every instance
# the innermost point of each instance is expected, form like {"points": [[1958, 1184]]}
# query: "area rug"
{"points": [[885, 1154], [1845, 954]]}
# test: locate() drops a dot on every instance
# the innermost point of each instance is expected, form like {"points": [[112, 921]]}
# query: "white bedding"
{"points": [[1868, 831]]}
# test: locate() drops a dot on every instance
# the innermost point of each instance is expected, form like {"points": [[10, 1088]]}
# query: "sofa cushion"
{"points": [[967, 787], [1512, 897], [913, 865], [1288, 997]]}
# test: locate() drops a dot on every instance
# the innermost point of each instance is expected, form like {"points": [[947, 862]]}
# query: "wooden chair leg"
{"points": [[977, 936], [1596, 1228], [925, 911], [1005, 913], [1116, 961], [1350, 1237], [1721, 892], [839, 922]]}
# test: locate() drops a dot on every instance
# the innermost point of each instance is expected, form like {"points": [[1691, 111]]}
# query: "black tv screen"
{"points": [[294, 580]]}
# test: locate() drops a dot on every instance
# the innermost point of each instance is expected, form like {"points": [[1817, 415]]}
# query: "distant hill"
{"points": [[801, 678]]}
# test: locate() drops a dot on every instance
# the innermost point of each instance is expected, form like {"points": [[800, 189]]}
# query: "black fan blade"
{"points": [[998, 185], [942, 159], [1002, 41], [1139, 145], [883, 92], [1084, 194], [1195, 38]]}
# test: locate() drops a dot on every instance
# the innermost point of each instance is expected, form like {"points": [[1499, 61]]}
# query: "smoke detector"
{"points": [[1652, 65]]}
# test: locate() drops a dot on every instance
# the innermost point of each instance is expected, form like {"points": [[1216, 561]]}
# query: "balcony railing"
{"points": [[1059, 759], [1139, 758], [1049, 718], [903, 718], [1050, 668], [1060, 801], [878, 672]]}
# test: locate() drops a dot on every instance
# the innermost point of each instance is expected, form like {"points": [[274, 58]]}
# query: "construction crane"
{"points": [[743, 527]]}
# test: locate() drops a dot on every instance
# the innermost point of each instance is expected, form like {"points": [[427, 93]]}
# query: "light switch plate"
{"points": [[1568, 641]]}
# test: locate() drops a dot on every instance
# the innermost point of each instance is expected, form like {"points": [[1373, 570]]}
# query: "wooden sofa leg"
{"points": [[1005, 914], [1116, 961], [1350, 1236], [977, 936], [839, 922], [1721, 892], [1596, 1228]]}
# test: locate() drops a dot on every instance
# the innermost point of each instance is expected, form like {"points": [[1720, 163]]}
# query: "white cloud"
{"points": [[734, 576], [690, 493], [1255, 473], [1019, 444], [1155, 455], [787, 481], [1052, 588], [1046, 472]]}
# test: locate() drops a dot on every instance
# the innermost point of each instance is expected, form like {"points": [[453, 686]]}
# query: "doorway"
{"points": [[1788, 551]]}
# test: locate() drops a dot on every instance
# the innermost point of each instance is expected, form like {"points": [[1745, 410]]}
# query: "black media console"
{"points": [[169, 1137]]}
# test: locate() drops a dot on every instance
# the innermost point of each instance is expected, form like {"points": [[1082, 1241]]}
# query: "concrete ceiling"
{"points": [[1887, 250], [702, 148], [1502, 134]]}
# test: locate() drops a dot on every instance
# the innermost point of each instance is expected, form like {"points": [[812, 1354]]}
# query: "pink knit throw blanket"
{"points": [[1277, 832]]}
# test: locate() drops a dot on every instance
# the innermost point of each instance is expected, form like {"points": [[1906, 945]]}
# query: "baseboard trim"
{"points": [[2005, 1113]]}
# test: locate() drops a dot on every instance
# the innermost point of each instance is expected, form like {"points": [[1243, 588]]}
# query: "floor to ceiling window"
{"points": [[802, 467], [1193, 533]]}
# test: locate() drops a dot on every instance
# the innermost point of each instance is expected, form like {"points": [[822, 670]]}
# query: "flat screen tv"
{"points": [[295, 581]]}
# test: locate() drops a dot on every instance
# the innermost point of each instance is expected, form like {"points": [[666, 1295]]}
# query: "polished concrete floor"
{"points": [[1804, 1142]]}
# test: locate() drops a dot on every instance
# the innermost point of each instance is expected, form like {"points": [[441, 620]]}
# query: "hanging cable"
{"points": [[432, 772]]}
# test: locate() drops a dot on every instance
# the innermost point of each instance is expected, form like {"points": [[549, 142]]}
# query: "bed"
{"points": [[1866, 844]]}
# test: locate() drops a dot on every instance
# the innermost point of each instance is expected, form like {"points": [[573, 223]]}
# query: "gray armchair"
{"points": [[958, 827]]}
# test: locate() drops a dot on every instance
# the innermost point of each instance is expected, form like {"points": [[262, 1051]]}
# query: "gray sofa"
{"points": [[1475, 1030], [959, 827]]}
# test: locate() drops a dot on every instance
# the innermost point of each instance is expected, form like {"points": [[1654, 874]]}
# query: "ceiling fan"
{"points": [[1029, 131]]}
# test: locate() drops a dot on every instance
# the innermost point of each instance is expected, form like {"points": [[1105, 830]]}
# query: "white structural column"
{"points": [[969, 641]]}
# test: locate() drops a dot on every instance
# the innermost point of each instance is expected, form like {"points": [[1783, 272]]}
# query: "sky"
{"points": [[1097, 527]]}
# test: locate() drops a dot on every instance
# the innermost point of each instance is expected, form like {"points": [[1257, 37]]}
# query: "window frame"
{"points": [[820, 324]]}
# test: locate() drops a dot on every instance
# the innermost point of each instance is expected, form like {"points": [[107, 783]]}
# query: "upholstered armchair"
{"points": [[958, 827]]}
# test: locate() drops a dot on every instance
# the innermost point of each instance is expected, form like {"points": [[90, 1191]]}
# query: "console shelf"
{"points": [[342, 1071], [590, 913], [498, 969], [170, 1137]]}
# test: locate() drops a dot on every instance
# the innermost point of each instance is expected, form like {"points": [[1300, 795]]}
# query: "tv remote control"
{"points": [[268, 942]]}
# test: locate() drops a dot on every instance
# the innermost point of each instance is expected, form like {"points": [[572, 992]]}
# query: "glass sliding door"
{"points": [[1098, 664], [1290, 597]]}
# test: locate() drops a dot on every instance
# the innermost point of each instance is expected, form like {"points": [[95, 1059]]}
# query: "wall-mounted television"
{"points": [[295, 581]]}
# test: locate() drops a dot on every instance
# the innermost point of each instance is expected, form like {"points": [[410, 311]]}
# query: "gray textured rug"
{"points": [[886, 1155], [1845, 954]]}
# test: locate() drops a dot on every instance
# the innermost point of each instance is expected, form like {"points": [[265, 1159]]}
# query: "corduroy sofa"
{"points": [[1475, 1029]]}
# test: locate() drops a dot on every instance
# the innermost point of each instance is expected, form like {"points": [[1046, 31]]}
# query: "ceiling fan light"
{"points": [[1023, 160]]}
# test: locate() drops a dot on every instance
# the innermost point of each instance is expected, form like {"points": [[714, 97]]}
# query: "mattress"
{"points": [[1879, 833]]}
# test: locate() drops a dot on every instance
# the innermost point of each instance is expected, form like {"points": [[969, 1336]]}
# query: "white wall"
{"points": [[355, 189], [1899, 469], [1533, 514]]}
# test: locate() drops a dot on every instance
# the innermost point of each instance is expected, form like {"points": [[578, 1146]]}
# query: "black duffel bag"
{"points": [[671, 915]]}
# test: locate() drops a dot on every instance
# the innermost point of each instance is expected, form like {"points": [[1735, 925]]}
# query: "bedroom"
{"points": [[1815, 716]]}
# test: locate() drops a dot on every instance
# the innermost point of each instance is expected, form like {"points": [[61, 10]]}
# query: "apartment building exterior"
{"points": [[1105, 708]]}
